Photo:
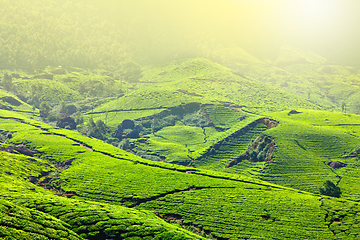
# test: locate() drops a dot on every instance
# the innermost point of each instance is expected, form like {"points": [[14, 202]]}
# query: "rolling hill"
{"points": [[219, 155], [115, 124]]}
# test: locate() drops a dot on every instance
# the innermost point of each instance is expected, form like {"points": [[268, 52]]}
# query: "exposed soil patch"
{"points": [[336, 164], [268, 122], [88, 148], [19, 149]]}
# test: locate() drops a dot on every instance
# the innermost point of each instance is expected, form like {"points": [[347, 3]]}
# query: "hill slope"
{"points": [[222, 205]]}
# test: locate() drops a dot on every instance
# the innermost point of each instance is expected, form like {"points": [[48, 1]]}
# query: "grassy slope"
{"points": [[72, 84], [311, 77], [290, 138], [22, 107], [181, 143], [227, 205], [202, 81], [36, 212], [306, 143], [184, 82]]}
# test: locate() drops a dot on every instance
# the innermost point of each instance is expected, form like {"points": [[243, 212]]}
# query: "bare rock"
{"points": [[336, 164]]}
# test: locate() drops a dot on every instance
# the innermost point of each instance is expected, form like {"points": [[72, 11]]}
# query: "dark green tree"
{"points": [[7, 81], [63, 108], [97, 130], [330, 189], [44, 109], [343, 107], [130, 71]]}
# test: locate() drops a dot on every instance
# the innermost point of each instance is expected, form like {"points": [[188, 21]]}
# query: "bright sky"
{"points": [[327, 26]]}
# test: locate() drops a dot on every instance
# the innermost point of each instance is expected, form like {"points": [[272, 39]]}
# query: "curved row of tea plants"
{"points": [[306, 143], [225, 205], [37, 213]]}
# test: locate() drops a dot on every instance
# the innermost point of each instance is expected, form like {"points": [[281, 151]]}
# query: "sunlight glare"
{"points": [[313, 12]]}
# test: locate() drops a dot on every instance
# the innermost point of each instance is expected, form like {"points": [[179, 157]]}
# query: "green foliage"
{"points": [[202, 81], [304, 145], [44, 110], [96, 130], [250, 212], [343, 217], [21, 223], [38, 213], [124, 144], [330, 189], [110, 177], [7, 81], [61, 42], [193, 124], [45, 106], [260, 149], [196, 119], [130, 71], [222, 116], [23, 107]]}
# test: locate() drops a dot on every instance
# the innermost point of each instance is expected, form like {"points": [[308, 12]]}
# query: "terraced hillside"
{"points": [[153, 120], [200, 80], [306, 144], [67, 167], [209, 155], [69, 171], [229, 148]]}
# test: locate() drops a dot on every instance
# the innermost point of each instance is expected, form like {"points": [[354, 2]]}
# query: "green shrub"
{"points": [[196, 119], [124, 144], [97, 130], [151, 157], [261, 156], [44, 110], [130, 71], [7, 81], [330, 189]]}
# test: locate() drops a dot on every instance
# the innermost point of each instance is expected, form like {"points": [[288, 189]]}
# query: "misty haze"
{"points": [[191, 119]]}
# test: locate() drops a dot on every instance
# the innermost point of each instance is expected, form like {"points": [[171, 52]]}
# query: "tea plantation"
{"points": [[212, 204], [173, 120], [191, 150]]}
